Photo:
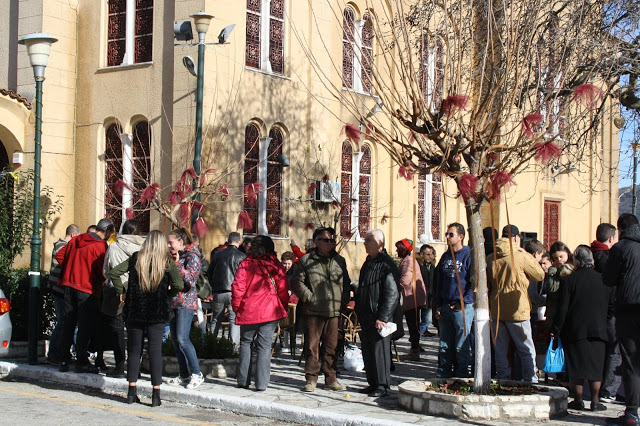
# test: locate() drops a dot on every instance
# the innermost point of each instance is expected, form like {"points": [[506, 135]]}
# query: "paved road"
{"points": [[46, 403]]}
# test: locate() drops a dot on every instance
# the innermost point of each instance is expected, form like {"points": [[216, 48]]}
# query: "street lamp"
{"points": [[634, 146], [38, 48]]}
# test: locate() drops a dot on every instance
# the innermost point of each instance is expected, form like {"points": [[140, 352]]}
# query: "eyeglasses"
{"points": [[451, 235], [326, 240]]}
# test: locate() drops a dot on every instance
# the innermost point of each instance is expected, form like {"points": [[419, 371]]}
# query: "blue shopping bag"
{"points": [[554, 361]]}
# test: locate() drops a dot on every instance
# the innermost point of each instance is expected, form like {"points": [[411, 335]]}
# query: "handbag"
{"points": [[554, 360]]}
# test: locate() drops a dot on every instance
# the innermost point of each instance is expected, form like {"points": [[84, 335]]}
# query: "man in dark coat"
{"points": [[605, 239], [622, 271], [427, 261], [377, 298]]}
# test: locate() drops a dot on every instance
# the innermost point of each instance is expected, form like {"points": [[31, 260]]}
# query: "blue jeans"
{"points": [[455, 348], [185, 352], [55, 342], [425, 319]]}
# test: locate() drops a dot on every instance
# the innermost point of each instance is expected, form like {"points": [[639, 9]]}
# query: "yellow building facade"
{"points": [[117, 72]]}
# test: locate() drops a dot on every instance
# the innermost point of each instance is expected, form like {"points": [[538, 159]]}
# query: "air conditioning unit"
{"points": [[326, 192]]}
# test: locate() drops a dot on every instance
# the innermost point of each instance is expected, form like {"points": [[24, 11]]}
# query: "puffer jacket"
{"points": [[409, 301], [222, 270], [322, 283], [260, 291], [623, 271], [513, 297], [377, 296], [189, 266], [117, 253]]}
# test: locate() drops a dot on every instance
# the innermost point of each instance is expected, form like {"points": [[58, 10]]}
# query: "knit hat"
{"points": [[407, 243]]}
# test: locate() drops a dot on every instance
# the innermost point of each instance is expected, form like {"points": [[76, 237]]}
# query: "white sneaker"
{"points": [[196, 380], [179, 381]]}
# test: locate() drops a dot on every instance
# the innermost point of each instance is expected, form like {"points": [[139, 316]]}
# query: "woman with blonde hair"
{"points": [[153, 280]]}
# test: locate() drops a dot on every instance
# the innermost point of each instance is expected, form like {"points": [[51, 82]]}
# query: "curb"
{"points": [[242, 405]]}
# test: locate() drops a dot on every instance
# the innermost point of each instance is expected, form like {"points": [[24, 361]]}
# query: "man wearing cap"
{"points": [[510, 307], [322, 283], [414, 296], [82, 260]]}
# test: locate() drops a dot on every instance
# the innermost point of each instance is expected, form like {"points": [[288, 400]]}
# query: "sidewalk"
{"points": [[284, 400]]}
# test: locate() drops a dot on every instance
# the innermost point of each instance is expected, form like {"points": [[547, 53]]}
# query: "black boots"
{"points": [[133, 395], [155, 398]]}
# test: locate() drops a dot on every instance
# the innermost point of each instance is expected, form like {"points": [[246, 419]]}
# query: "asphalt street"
{"points": [[52, 404]]}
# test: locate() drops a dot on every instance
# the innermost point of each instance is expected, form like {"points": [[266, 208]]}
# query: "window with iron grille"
{"points": [[364, 192], [274, 182], [141, 171], [431, 72], [551, 223], [251, 160], [345, 189], [113, 173], [429, 205], [129, 32], [265, 35], [357, 51], [355, 191]]}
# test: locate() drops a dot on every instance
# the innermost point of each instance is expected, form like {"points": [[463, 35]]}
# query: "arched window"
{"points": [[141, 170], [429, 205], [431, 72], [346, 189], [348, 46], [113, 172], [251, 160], [265, 35], [274, 182], [129, 41], [364, 192]]}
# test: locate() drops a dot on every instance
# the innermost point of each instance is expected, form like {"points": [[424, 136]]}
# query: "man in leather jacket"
{"points": [[377, 298], [222, 271]]}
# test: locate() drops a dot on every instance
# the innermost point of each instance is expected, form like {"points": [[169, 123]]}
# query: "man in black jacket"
{"points": [[622, 271], [222, 271], [427, 259], [377, 298]]}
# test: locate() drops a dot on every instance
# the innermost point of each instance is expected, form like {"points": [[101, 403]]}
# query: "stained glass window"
{"points": [[251, 160], [422, 202], [113, 172], [348, 43], [367, 52], [117, 34], [364, 192], [273, 20], [274, 182], [253, 34], [141, 153], [436, 206], [345, 189], [143, 42]]}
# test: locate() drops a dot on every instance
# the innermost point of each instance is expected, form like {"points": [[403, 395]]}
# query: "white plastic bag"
{"points": [[353, 360]]}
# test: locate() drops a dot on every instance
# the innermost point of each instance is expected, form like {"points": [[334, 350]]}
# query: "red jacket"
{"points": [[82, 260], [254, 297]]}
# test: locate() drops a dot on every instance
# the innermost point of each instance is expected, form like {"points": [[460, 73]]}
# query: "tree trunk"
{"points": [[482, 361]]}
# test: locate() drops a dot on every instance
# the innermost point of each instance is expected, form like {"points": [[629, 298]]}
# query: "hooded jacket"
{"points": [[322, 283], [409, 301], [513, 296], [82, 260], [622, 271], [600, 255], [117, 253]]}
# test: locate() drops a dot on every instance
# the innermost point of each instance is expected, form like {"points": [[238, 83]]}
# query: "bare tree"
{"points": [[483, 90]]}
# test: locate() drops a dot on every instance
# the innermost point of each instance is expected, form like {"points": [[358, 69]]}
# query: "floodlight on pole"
{"points": [[38, 48]]}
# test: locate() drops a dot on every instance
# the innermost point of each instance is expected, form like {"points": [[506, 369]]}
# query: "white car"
{"points": [[5, 325]]}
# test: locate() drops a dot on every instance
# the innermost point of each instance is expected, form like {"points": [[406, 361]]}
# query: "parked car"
{"points": [[5, 325]]}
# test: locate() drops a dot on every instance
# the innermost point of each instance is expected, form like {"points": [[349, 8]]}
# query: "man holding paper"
{"points": [[377, 298]]}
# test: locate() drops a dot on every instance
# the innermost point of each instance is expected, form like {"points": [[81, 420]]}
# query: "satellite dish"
{"points": [[188, 63]]}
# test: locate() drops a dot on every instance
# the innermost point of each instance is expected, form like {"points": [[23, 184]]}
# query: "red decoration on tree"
{"points": [[529, 122], [200, 228], [309, 226], [291, 223], [175, 197], [370, 128], [224, 190], [197, 206], [128, 212], [405, 173], [244, 221], [352, 132], [189, 172], [500, 179], [311, 188], [468, 186], [325, 178], [251, 192], [120, 185], [149, 193], [347, 234], [587, 93], [204, 175], [185, 213], [454, 103], [546, 151]]}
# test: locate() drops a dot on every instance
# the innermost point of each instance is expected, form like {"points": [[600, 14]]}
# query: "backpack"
{"points": [[203, 287]]}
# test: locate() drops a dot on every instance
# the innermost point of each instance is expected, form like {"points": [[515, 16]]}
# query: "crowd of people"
{"points": [[587, 298]]}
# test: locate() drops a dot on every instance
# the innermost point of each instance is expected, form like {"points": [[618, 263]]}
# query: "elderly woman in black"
{"points": [[581, 322]]}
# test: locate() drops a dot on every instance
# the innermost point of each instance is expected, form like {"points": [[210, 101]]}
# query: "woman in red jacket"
{"points": [[260, 294]]}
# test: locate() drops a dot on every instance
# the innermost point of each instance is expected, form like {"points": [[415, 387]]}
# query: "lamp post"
{"points": [[634, 146], [202, 21], [38, 48]]}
